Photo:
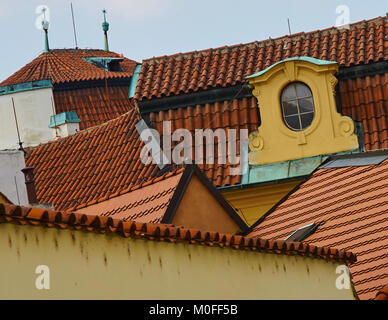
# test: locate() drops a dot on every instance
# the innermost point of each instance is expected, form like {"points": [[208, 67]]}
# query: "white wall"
{"points": [[33, 111], [11, 162]]}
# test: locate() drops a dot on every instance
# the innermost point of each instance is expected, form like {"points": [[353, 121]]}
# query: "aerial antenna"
{"points": [[17, 127], [289, 27], [74, 29]]}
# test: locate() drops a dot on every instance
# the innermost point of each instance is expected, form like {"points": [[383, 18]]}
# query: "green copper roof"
{"points": [[25, 86], [307, 59], [64, 117]]}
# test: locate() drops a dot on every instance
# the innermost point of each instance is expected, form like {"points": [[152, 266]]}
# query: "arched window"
{"points": [[297, 106]]}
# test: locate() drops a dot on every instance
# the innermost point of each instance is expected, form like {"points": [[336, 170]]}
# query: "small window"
{"points": [[297, 106]]}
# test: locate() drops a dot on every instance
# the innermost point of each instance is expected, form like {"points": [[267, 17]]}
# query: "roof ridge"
{"points": [[161, 232], [258, 42]]}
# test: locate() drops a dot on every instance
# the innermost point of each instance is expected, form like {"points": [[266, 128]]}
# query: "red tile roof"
{"points": [[382, 294], [363, 43], [352, 204], [94, 105], [147, 202], [162, 232], [366, 100], [234, 114], [67, 65], [90, 164]]}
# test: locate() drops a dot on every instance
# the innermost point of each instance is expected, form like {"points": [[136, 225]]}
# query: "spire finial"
{"points": [[45, 26], [105, 28]]}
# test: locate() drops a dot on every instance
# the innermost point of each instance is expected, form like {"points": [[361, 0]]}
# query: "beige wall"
{"points": [[95, 266], [199, 209], [33, 110]]}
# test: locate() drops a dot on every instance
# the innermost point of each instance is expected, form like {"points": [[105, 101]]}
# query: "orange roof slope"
{"points": [[67, 65], [382, 294], [366, 100], [94, 105], [162, 232], [90, 164], [352, 204], [363, 43], [144, 203], [235, 114]]}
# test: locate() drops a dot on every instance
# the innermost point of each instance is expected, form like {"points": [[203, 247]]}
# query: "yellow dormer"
{"points": [[299, 118]]}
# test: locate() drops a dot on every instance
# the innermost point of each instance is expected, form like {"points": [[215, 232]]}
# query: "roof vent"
{"points": [[302, 233]]}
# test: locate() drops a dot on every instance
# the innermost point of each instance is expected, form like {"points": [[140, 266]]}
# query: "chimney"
{"points": [[30, 184]]}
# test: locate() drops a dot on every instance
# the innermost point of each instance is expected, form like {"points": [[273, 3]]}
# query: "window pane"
{"points": [[302, 90], [290, 108], [307, 119], [289, 93], [306, 105], [293, 122]]}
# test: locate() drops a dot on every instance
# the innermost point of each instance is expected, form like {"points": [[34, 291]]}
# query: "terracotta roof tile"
{"points": [[235, 114], [366, 100], [67, 65], [147, 202], [363, 43], [351, 205], [90, 164], [94, 105], [162, 232], [382, 294]]}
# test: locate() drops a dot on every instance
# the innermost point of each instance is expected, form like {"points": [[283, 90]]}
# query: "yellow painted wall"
{"points": [[253, 202], [200, 210], [85, 265]]}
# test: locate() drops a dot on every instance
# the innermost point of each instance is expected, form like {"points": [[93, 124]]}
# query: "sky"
{"points": [[142, 29]]}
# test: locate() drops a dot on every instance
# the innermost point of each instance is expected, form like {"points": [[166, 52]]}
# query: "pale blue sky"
{"points": [[146, 28]]}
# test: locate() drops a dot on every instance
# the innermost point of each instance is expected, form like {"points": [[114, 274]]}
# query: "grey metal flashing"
{"points": [[356, 160]]}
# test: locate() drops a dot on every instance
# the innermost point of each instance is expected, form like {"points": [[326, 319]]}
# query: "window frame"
{"points": [[297, 100]]}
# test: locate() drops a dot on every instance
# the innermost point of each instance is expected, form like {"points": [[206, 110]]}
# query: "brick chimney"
{"points": [[30, 184]]}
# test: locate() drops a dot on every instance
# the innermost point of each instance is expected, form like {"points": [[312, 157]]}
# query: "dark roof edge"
{"points": [[194, 98], [356, 155], [190, 170], [361, 71], [112, 82]]}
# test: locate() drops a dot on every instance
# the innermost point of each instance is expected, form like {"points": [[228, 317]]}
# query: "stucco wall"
{"points": [[11, 162], [96, 266], [33, 111]]}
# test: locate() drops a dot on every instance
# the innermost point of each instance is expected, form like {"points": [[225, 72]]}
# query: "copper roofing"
{"points": [[350, 204]]}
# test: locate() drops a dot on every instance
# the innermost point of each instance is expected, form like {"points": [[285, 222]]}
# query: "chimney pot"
{"points": [[30, 184]]}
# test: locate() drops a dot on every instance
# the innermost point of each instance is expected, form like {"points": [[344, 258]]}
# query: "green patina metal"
{"points": [[133, 82], [64, 117], [105, 28], [25, 86], [283, 171], [307, 59], [106, 63]]}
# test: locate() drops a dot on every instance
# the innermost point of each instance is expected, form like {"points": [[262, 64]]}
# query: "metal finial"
{"points": [[105, 28]]}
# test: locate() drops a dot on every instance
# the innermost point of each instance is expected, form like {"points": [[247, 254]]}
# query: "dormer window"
{"points": [[297, 106]]}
